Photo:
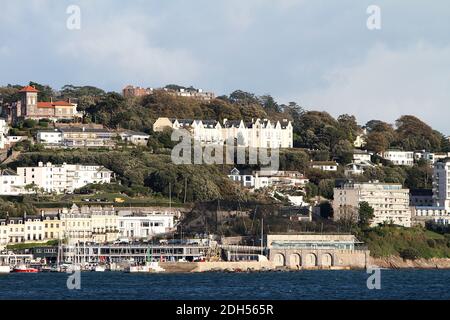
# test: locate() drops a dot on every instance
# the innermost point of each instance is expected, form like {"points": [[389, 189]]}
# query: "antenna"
{"points": [[262, 235]]}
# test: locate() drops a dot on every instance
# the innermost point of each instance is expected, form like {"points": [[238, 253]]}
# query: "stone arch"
{"points": [[279, 260], [326, 260], [310, 260], [295, 261]]}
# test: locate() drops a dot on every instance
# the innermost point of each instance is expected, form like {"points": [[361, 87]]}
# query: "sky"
{"points": [[317, 53]]}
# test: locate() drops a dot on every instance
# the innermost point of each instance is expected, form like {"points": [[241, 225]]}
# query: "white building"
{"points": [[361, 156], [11, 183], [50, 137], [354, 169], [62, 178], [144, 226], [424, 155], [439, 215], [360, 140], [262, 179], [135, 137], [389, 201], [245, 179], [75, 137], [280, 179], [324, 165], [255, 134], [4, 233], [16, 230], [34, 229], [4, 128], [399, 158]]}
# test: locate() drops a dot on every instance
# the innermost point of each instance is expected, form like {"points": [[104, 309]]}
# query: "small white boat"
{"points": [[99, 269], [5, 269], [148, 267]]}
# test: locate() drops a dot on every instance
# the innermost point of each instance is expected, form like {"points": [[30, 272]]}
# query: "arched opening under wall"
{"points": [[327, 260], [310, 260], [294, 261], [279, 260]]}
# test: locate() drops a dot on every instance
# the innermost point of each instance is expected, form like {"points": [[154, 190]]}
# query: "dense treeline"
{"points": [[317, 136], [151, 173]]}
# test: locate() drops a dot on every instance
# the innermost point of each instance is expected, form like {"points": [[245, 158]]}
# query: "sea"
{"points": [[300, 285]]}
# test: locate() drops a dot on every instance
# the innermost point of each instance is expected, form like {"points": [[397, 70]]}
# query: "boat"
{"points": [[99, 268], [148, 267], [5, 269], [24, 269], [46, 269]]}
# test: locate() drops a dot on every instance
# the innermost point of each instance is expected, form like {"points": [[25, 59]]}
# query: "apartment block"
{"points": [[389, 201], [441, 184], [61, 178]]}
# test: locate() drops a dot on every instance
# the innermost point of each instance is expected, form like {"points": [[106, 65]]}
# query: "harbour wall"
{"points": [[217, 266]]}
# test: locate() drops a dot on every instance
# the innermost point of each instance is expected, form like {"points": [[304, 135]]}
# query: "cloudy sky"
{"points": [[318, 53]]}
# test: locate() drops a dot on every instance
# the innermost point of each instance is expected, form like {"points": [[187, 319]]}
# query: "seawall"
{"points": [[216, 266], [396, 262]]}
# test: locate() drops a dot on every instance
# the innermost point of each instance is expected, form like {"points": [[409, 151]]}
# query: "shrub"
{"points": [[409, 254]]}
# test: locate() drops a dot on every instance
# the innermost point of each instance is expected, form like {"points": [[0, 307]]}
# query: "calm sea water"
{"points": [[395, 284]]}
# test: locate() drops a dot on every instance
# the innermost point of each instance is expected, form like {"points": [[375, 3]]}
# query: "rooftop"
{"points": [[28, 89]]}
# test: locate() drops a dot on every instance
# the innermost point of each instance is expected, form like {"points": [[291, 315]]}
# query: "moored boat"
{"points": [[5, 269], [148, 267], [24, 269], [99, 268]]}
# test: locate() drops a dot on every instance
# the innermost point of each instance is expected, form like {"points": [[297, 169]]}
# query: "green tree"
{"points": [[46, 93], [349, 126], [377, 141], [366, 214], [326, 187], [326, 210]]}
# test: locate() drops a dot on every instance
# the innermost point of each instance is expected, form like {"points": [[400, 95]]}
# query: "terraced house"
{"points": [[258, 133], [52, 178]]}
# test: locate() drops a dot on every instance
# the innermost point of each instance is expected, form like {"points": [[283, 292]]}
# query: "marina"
{"points": [[280, 252]]}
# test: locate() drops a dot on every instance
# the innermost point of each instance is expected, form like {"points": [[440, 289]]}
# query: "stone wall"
{"points": [[216, 266], [319, 259]]}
